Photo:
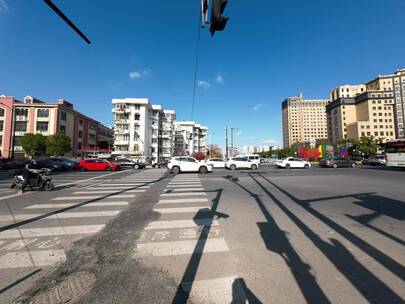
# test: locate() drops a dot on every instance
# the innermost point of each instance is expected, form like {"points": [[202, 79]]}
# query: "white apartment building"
{"points": [[142, 129], [189, 138]]}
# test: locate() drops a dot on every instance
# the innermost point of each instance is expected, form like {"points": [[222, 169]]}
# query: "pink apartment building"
{"points": [[35, 116]]}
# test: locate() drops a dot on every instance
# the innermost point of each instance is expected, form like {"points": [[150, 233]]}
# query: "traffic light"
{"points": [[218, 20]]}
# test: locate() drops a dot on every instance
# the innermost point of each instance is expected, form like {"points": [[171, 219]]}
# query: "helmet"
{"points": [[34, 162]]}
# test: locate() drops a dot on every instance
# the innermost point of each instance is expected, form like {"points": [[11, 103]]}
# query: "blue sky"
{"points": [[146, 48]]}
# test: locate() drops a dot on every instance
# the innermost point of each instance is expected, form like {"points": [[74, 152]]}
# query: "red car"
{"points": [[94, 164]]}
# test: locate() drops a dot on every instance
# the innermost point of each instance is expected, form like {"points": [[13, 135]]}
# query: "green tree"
{"points": [[58, 144], [33, 144], [367, 145]]}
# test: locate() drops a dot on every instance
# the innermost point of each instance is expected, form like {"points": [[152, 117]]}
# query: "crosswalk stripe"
{"points": [[64, 215], [182, 210], [66, 205], [70, 198], [216, 291], [183, 185], [187, 182], [183, 200], [181, 224], [37, 258], [181, 247], [50, 231], [118, 187], [185, 189], [105, 191], [183, 194]]}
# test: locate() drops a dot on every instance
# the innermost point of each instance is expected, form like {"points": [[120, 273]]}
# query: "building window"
{"points": [[62, 129], [79, 146], [63, 116], [137, 107], [42, 126], [81, 122], [1, 112], [92, 137], [137, 117], [43, 113], [21, 126], [80, 134], [1, 126]]}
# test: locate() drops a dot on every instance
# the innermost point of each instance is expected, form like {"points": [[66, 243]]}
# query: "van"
{"points": [[252, 157]]}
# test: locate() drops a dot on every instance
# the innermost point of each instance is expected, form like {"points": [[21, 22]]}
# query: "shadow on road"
{"points": [[276, 240], [370, 286], [20, 280], [242, 294]]}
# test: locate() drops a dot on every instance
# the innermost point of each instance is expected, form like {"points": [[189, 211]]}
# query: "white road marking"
{"points": [[57, 206], [19, 259], [184, 189], [184, 194], [181, 224], [181, 183], [183, 200], [70, 198], [216, 291], [62, 215], [98, 187], [181, 247], [182, 210], [50, 231], [105, 191]]}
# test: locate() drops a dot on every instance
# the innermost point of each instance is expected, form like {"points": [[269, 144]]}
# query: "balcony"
{"points": [[121, 110], [121, 142], [121, 121], [121, 131]]}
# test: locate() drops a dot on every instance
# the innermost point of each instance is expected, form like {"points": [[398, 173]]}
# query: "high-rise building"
{"points": [[189, 138], [372, 109], [35, 116], [303, 120], [142, 129]]}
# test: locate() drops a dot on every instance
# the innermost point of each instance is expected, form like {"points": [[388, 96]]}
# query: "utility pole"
{"points": [[226, 141], [231, 142]]}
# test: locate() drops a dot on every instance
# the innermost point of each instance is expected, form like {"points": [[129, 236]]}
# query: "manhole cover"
{"points": [[69, 291]]}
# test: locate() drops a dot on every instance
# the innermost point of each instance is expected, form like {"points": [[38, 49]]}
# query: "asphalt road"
{"points": [[264, 236]]}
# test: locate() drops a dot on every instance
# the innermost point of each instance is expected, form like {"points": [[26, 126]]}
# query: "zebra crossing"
{"points": [[49, 230], [186, 231]]}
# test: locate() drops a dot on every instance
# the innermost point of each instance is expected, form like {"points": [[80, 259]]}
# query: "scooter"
{"points": [[41, 182]]}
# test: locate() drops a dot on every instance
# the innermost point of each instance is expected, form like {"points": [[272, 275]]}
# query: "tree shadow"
{"points": [[241, 294], [370, 286], [276, 240], [183, 290]]}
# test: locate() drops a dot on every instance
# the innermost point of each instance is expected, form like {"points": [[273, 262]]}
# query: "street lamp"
{"points": [[232, 129]]}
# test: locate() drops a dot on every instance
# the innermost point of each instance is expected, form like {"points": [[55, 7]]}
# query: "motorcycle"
{"points": [[41, 182]]}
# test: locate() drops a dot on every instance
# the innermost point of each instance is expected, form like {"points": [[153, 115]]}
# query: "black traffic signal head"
{"points": [[218, 20]]}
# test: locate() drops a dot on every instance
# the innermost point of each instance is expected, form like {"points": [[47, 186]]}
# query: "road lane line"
{"points": [[183, 200], [183, 194], [181, 224], [182, 210], [62, 215], [50, 231], [184, 189], [20, 259], [59, 205], [104, 191], [181, 247]]}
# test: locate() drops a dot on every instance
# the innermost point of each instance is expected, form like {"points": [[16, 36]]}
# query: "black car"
{"points": [[337, 162], [7, 164], [48, 163], [123, 162]]}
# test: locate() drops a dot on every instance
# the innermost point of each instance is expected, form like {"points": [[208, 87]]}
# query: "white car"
{"points": [[241, 163], [187, 164], [292, 162], [216, 162], [252, 157]]}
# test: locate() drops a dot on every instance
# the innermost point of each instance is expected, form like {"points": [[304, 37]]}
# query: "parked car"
{"points": [[292, 162], [123, 162], [66, 162], [7, 164], [161, 164], [48, 163], [241, 163], [336, 162], [188, 164], [252, 157], [95, 164], [216, 162], [375, 160]]}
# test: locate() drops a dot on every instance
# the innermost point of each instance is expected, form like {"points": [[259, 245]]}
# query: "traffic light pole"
{"points": [[226, 141]]}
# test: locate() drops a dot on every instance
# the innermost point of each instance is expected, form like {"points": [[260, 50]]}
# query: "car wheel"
{"points": [[254, 167], [136, 167], [287, 166], [232, 167], [203, 170], [49, 186], [306, 166], [176, 170], [335, 166], [353, 165]]}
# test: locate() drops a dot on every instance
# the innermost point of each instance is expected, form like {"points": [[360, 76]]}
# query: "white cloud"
{"points": [[3, 6], [257, 107], [138, 74], [219, 79], [204, 84]]}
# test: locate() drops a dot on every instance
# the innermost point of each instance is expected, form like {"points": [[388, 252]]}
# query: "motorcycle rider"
{"points": [[30, 171]]}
